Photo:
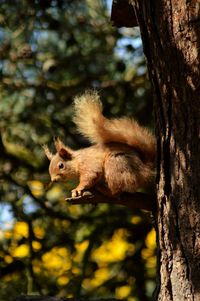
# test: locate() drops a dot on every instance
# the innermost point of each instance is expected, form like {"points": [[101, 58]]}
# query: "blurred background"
{"points": [[50, 51]]}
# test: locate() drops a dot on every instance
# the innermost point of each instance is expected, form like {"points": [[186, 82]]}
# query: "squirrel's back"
{"points": [[93, 125]]}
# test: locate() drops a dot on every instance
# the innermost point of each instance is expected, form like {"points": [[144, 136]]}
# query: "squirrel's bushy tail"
{"points": [[93, 125]]}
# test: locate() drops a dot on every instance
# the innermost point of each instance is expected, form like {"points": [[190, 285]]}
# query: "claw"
{"points": [[76, 193]]}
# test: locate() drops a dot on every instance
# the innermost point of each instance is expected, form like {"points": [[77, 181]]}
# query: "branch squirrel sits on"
{"points": [[120, 159]]}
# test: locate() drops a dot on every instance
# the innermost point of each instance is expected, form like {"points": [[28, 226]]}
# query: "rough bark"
{"points": [[171, 38]]}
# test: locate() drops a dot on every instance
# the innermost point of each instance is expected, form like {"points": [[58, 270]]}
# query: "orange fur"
{"points": [[120, 159]]}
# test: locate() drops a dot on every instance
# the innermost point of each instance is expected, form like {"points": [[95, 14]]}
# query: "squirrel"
{"points": [[120, 159]]}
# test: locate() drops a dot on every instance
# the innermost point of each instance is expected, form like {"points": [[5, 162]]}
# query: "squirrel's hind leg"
{"points": [[120, 172]]}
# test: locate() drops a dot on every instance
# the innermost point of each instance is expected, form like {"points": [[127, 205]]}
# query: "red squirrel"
{"points": [[120, 159]]}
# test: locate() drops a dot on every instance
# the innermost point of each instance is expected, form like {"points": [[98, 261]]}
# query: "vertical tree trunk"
{"points": [[171, 38]]}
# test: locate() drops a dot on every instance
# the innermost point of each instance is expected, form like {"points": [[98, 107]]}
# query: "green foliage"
{"points": [[50, 51]]}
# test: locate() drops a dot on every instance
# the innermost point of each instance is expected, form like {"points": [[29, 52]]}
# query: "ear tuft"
{"points": [[47, 152], [58, 144], [64, 154]]}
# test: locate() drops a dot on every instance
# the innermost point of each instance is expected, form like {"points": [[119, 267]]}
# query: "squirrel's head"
{"points": [[60, 168]]}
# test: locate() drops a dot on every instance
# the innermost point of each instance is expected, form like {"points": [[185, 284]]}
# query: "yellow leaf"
{"points": [[39, 232], [82, 246], [122, 292], [36, 266], [151, 262], [80, 250], [114, 250], [62, 280], [54, 193], [8, 234], [100, 276], [75, 271], [36, 245], [20, 230], [146, 253], [8, 259], [21, 251], [37, 188], [151, 240], [136, 220], [57, 261]]}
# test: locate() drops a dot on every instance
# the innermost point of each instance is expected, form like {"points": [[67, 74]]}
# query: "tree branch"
{"points": [[46, 298], [131, 200]]}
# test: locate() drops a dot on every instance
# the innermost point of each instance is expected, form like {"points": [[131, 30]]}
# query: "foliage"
{"points": [[50, 51]]}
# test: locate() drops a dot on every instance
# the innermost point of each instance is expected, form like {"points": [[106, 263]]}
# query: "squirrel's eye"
{"points": [[60, 165]]}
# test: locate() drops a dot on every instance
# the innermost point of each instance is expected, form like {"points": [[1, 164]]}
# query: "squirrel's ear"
{"points": [[63, 151], [47, 152], [65, 154]]}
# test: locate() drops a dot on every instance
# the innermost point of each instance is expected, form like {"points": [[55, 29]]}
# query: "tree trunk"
{"points": [[171, 39]]}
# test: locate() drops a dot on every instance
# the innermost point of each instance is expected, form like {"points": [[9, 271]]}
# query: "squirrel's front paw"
{"points": [[76, 192]]}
